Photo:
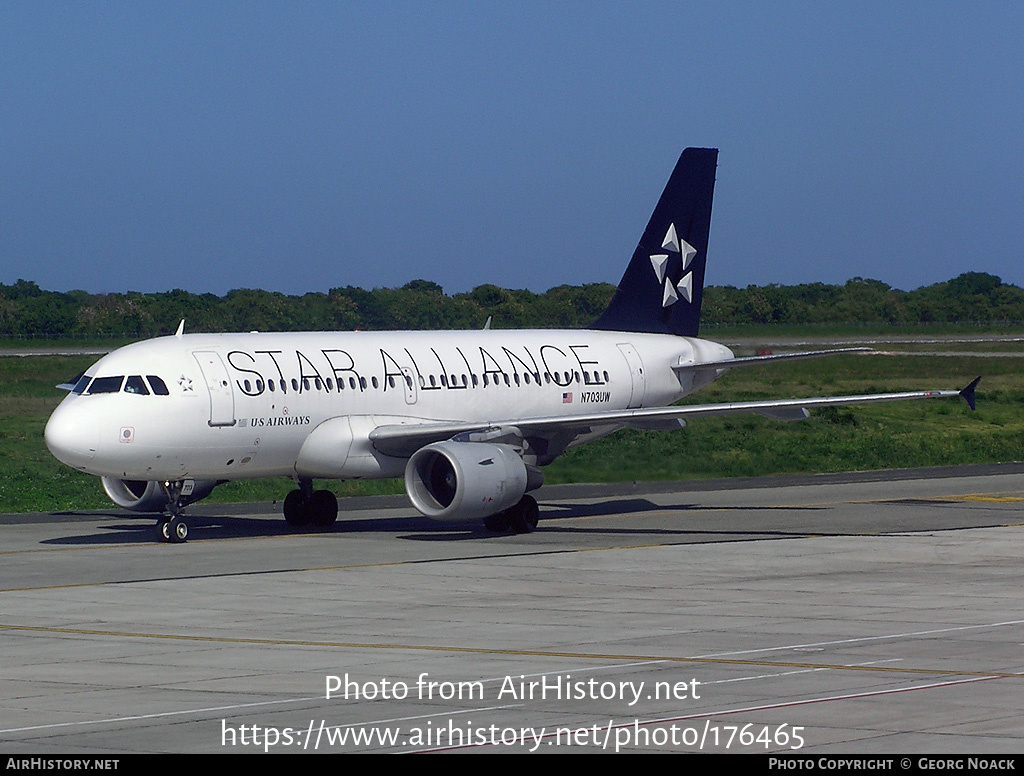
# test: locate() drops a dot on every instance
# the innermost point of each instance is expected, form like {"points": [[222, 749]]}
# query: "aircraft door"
{"points": [[222, 399], [409, 377], [636, 374]]}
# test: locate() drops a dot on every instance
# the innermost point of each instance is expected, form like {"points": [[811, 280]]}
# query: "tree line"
{"points": [[26, 310]]}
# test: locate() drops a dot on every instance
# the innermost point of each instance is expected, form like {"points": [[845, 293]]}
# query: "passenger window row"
{"points": [[453, 381], [135, 383]]}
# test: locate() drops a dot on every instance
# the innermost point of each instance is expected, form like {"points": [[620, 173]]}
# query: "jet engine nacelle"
{"points": [[465, 480], [147, 496]]}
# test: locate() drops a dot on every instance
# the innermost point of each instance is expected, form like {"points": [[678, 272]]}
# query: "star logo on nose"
{"points": [[185, 383], [659, 262]]}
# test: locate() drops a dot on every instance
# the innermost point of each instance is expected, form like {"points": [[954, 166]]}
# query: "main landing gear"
{"points": [[521, 518], [304, 506], [171, 526]]}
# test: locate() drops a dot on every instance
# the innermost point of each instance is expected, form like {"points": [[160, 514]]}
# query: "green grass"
{"points": [[41, 343], [923, 433], [30, 478]]}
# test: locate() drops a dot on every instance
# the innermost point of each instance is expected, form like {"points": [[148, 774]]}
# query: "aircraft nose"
{"points": [[72, 434]]}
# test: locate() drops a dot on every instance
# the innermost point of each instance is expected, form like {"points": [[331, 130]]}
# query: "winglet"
{"points": [[181, 329], [968, 392]]}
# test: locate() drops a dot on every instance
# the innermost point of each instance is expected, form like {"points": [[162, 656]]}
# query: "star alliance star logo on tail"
{"points": [[659, 261]]}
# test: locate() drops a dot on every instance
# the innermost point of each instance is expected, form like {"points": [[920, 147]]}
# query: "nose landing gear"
{"points": [[171, 526], [173, 529]]}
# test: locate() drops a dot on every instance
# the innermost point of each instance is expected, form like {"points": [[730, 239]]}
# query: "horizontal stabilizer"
{"points": [[70, 384], [730, 363]]}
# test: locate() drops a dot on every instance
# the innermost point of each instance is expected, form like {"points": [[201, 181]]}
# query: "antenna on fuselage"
{"points": [[488, 324], [181, 329]]}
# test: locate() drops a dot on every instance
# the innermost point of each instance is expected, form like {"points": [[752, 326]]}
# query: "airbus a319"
{"points": [[468, 418]]}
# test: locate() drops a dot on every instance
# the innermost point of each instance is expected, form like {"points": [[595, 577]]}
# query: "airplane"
{"points": [[468, 418]]}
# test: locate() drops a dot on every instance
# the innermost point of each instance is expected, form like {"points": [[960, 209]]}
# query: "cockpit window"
{"points": [[134, 384], [106, 384], [82, 382], [158, 385]]}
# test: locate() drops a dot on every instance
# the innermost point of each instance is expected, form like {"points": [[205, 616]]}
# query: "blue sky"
{"points": [[300, 146]]}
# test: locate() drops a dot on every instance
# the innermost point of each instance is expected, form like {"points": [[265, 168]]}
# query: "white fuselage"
{"points": [[242, 405]]}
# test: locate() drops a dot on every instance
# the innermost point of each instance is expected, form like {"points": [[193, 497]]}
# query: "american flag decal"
{"points": [[567, 397]]}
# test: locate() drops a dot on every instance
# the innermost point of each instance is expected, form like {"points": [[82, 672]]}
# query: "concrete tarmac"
{"points": [[865, 613]]}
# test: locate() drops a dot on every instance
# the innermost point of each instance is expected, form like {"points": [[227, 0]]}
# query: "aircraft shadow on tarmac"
{"points": [[127, 528]]}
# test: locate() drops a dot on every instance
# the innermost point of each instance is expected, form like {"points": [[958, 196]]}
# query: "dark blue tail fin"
{"points": [[663, 285]]}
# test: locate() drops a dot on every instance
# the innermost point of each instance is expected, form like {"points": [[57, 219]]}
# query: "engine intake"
{"points": [[148, 496], [465, 481]]}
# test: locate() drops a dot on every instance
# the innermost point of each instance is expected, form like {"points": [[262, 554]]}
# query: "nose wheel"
{"points": [[173, 529], [172, 526]]}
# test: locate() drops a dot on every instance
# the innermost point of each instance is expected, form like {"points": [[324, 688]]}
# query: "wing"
{"points": [[562, 430]]}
